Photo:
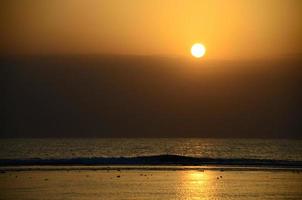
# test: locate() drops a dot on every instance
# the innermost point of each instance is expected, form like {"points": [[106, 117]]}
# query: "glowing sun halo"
{"points": [[198, 50]]}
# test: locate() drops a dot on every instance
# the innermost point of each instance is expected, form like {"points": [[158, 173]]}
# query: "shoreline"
{"points": [[142, 183]]}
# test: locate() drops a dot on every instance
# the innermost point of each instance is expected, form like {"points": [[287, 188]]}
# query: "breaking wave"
{"points": [[150, 160]]}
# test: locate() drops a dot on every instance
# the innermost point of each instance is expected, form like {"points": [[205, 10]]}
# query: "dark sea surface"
{"points": [[150, 151]]}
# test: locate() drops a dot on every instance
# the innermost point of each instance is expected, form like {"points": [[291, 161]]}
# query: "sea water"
{"points": [[149, 182], [288, 150]]}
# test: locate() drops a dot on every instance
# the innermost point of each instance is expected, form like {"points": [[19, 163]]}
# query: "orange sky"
{"points": [[230, 29]]}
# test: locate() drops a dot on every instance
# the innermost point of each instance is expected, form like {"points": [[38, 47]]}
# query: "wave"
{"points": [[150, 160]]}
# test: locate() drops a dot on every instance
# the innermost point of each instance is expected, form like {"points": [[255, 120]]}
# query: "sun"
{"points": [[198, 50]]}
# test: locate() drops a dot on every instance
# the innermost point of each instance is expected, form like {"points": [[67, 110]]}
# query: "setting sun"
{"points": [[198, 50], [158, 99]]}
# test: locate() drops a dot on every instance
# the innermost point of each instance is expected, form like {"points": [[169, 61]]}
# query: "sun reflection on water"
{"points": [[194, 185]]}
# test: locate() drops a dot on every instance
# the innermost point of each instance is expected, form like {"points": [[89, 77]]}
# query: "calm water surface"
{"points": [[148, 184], [211, 148], [145, 183]]}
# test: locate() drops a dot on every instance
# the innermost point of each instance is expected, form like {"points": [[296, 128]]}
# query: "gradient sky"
{"points": [[232, 29], [248, 84]]}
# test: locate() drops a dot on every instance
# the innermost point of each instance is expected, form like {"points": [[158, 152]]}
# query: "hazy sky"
{"points": [[149, 96], [242, 90], [230, 29]]}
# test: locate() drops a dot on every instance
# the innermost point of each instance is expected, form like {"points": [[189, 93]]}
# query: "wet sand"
{"points": [[144, 183]]}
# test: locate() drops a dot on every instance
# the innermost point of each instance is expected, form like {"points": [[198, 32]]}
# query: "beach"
{"points": [[141, 169], [142, 182], [151, 100]]}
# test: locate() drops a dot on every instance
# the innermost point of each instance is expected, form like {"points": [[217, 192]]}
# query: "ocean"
{"points": [[142, 169], [111, 150]]}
